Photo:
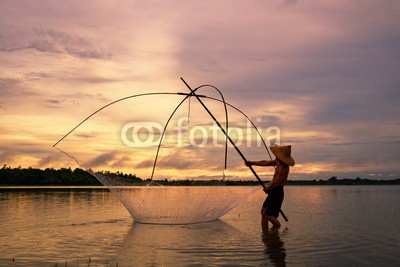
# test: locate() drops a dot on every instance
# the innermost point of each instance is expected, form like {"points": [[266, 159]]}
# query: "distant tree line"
{"points": [[49, 176], [68, 177], [346, 181]]}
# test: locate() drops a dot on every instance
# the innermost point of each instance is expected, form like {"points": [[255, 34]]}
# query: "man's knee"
{"points": [[274, 221], [263, 212]]}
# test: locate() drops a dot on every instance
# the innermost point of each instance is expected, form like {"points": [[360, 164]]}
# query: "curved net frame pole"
{"points": [[166, 125], [103, 107], [230, 140]]}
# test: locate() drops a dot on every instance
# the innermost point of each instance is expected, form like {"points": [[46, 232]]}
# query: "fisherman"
{"points": [[273, 202]]}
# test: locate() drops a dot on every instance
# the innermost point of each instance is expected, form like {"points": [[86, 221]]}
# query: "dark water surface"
{"points": [[328, 226]]}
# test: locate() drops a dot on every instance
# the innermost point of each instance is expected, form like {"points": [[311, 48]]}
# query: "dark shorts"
{"points": [[273, 202]]}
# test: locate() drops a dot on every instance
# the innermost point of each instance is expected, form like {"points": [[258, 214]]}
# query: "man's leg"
{"points": [[274, 221], [264, 219]]}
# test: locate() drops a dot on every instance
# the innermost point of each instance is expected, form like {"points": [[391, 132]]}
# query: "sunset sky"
{"points": [[327, 73]]}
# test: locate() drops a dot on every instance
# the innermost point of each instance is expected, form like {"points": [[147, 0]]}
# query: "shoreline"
{"points": [[16, 177], [102, 187]]}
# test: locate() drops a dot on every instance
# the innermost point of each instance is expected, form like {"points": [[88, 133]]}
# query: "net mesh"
{"points": [[124, 139]]}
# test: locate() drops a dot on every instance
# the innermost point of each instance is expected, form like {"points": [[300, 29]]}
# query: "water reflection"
{"points": [[39, 226], [212, 243], [74, 225], [274, 246]]}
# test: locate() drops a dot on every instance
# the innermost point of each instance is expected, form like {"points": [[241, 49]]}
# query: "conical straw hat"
{"points": [[283, 153]]}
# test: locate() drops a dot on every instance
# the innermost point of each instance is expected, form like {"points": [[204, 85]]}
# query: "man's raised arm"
{"points": [[261, 163]]}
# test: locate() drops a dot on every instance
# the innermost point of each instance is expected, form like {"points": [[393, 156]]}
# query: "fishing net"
{"points": [[164, 158]]}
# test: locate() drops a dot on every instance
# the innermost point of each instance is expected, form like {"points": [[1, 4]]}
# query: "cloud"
{"points": [[286, 3], [186, 158], [111, 159], [34, 76], [51, 160], [103, 159], [175, 160], [53, 101], [87, 135], [52, 41], [122, 162], [74, 99], [394, 139], [144, 164], [12, 87], [8, 157]]}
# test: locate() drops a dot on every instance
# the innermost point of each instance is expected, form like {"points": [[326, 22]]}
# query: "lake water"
{"points": [[328, 226]]}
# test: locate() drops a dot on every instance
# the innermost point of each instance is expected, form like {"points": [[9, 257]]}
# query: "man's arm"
{"points": [[261, 163]]}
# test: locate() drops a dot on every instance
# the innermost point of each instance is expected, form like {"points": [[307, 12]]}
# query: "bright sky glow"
{"points": [[325, 72]]}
